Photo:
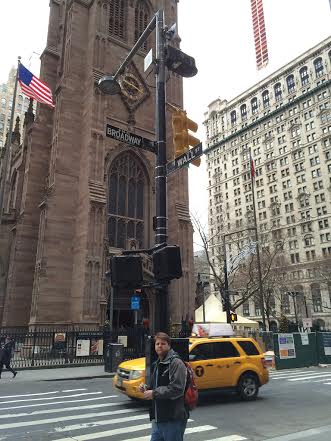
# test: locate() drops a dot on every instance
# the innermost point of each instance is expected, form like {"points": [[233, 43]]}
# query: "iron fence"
{"points": [[63, 347]]}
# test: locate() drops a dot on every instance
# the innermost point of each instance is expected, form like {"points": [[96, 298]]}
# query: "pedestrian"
{"points": [[168, 381], [5, 356]]}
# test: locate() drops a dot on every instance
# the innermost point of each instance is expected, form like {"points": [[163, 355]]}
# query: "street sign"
{"points": [[130, 138], [185, 158], [135, 303], [148, 60]]}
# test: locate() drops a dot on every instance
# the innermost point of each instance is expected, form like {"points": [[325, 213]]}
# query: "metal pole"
{"points": [[8, 146], [161, 234], [258, 253], [226, 285]]}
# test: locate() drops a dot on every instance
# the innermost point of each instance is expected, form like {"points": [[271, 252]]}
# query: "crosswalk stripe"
{"points": [[229, 438], [321, 380], [120, 431], [100, 423], [293, 374], [327, 383], [308, 378], [41, 393], [58, 402], [131, 429], [62, 409], [55, 420], [53, 398]]}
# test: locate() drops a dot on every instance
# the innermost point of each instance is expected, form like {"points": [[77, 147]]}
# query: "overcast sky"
{"points": [[217, 33]]}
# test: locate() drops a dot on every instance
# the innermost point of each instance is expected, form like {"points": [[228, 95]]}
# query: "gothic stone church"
{"points": [[75, 197]]}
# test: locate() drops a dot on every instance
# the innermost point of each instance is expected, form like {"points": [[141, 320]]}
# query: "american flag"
{"points": [[260, 36], [33, 88]]}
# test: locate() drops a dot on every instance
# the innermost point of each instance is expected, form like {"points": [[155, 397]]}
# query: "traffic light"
{"points": [[234, 317], [182, 139]]}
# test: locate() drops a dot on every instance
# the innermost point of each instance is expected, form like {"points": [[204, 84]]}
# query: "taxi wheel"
{"points": [[248, 387]]}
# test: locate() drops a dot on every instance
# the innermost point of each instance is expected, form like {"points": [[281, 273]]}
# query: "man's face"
{"points": [[161, 347]]}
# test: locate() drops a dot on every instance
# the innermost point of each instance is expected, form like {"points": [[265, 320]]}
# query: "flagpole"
{"points": [[257, 245], [8, 146]]}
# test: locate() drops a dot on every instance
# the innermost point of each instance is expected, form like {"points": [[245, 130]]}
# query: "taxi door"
{"points": [[203, 364], [228, 362]]}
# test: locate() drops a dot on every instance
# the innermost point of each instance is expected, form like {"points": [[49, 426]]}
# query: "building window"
{"points": [[285, 303], [254, 105], [290, 84], [117, 18], [319, 69], [278, 91], [243, 112], [316, 297], [265, 99], [126, 201], [233, 116], [304, 75], [141, 20], [246, 309]]}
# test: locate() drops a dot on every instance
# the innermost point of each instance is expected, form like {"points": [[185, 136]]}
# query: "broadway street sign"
{"points": [[130, 138], [184, 159]]}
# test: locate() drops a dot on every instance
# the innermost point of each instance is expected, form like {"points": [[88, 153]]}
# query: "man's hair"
{"points": [[163, 336]]}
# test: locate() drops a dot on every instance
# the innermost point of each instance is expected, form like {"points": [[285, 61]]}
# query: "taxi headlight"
{"points": [[134, 375]]}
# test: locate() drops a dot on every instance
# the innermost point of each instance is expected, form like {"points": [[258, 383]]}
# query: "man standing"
{"points": [[168, 413], [5, 356]]}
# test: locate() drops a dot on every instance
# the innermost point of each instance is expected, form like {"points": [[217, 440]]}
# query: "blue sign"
{"points": [[135, 302]]}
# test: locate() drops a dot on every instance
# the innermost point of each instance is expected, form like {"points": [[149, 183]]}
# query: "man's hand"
{"points": [[148, 395]]}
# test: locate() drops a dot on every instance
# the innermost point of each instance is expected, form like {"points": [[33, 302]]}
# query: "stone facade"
{"points": [[285, 122], [84, 195]]}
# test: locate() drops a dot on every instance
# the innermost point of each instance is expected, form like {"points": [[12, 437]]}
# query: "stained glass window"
{"points": [[126, 201]]}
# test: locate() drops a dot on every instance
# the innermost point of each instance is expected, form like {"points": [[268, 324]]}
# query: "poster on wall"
{"points": [[286, 346], [82, 348], [96, 346], [327, 343]]}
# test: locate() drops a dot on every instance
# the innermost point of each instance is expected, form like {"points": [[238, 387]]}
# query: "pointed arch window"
{"points": [[117, 19], [142, 15], [127, 185]]}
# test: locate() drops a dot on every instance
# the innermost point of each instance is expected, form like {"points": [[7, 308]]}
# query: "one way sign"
{"points": [[185, 158]]}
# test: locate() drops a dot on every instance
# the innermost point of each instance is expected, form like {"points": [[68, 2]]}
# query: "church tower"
{"points": [[84, 195]]}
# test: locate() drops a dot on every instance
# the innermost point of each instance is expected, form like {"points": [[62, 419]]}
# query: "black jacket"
{"points": [[168, 383], [6, 353]]}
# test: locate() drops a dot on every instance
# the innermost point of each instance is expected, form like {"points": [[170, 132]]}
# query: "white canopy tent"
{"points": [[214, 313]]}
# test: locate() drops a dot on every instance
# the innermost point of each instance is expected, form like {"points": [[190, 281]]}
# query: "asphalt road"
{"points": [[295, 405]]}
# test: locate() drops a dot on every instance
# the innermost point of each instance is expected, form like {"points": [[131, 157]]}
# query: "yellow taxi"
{"points": [[228, 363]]}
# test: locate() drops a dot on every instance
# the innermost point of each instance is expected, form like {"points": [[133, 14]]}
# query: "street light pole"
{"points": [[161, 312], [226, 285]]}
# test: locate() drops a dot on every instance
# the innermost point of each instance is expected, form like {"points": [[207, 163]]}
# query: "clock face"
{"points": [[131, 87]]}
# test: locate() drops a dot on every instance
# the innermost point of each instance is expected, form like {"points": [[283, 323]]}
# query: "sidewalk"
{"points": [[56, 374]]}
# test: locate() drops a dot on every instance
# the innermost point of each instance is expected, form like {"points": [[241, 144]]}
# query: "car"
{"points": [[219, 363]]}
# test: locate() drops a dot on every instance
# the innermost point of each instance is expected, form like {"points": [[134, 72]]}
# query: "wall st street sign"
{"points": [[185, 158], [130, 138]]}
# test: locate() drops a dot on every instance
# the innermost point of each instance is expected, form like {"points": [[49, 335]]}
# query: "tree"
{"points": [[243, 280], [283, 324]]}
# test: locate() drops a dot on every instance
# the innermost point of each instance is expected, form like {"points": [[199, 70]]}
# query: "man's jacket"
{"points": [[168, 383]]}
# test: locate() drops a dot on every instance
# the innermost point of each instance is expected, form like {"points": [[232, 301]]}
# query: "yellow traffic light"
{"points": [[182, 139], [234, 317]]}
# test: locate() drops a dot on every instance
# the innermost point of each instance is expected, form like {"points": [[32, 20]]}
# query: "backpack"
{"points": [[191, 391]]}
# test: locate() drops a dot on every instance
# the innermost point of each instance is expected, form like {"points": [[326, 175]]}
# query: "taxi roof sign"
{"points": [[212, 330]]}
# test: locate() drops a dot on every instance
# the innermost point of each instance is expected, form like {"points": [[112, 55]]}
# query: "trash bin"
{"points": [[113, 356]]}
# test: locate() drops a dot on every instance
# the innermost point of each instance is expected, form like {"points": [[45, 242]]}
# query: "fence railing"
{"points": [[63, 347]]}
